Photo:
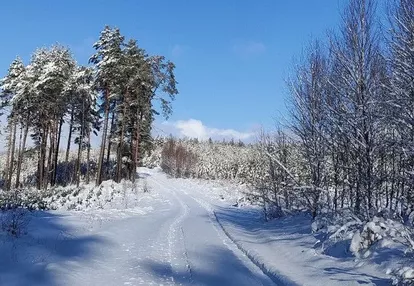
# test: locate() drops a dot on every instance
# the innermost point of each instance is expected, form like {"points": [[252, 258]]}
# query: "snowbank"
{"points": [[109, 195]]}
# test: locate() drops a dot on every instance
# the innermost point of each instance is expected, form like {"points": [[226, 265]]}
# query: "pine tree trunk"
{"points": [[77, 172], [50, 156], [70, 135], [13, 147], [19, 152], [121, 143], [56, 152], [39, 160], [335, 179], [132, 166], [103, 142], [42, 157], [88, 156], [137, 140], [78, 162], [53, 150], [8, 155], [111, 130], [21, 155], [56, 157]]}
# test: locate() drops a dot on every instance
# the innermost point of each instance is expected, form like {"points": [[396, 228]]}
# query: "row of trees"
{"points": [[352, 111], [206, 159], [350, 142], [113, 97], [177, 160]]}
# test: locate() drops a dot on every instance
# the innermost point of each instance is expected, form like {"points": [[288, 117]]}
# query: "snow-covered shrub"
{"points": [[146, 187], [273, 211], [30, 198], [342, 234], [403, 276], [109, 194], [362, 240], [379, 233], [334, 231], [336, 223], [153, 159], [14, 208], [242, 201], [14, 221]]}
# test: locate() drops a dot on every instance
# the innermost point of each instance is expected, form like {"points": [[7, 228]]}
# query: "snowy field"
{"points": [[178, 232]]}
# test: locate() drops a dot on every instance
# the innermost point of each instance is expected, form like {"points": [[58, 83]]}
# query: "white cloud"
{"points": [[248, 49], [194, 128]]}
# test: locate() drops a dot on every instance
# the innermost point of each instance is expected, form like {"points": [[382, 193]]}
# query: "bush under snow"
{"points": [[109, 195], [382, 240]]}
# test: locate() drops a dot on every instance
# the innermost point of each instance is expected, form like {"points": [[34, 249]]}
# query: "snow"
{"points": [[163, 238], [187, 231], [58, 243], [356, 243], [283, 248]]}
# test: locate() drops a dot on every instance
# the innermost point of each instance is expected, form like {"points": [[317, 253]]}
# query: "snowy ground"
{"points": [[285, 248], [181, 232]]}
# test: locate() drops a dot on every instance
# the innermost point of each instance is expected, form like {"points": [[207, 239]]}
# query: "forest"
{"points": [[333, 181], [348, 143], [349, 140], [113, 98]]}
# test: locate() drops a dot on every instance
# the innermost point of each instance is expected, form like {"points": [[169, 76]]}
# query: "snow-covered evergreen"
{"points": [[114, 98]]}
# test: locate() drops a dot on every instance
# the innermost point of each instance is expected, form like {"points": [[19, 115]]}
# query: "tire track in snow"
{"points": [[186, 258], [174, 237], [270, 273], [273, 275], [161, 255], [225, 237]]}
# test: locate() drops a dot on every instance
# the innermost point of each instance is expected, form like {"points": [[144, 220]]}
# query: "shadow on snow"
{"points": [[33, 258], [215, 266], [295, 230]]}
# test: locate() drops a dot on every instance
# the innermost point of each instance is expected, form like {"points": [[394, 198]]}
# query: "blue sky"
{"points": [[232, 56]]}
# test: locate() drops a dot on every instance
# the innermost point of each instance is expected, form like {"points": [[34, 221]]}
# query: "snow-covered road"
{"points": [[179, 243], [181, 232], [195, 248]]}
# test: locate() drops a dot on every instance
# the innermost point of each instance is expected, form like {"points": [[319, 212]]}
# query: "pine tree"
{"points": [[107, 61], [11, 87], [85, 115]]}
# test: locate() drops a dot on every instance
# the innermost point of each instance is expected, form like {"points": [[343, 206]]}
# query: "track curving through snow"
{"points": [[210, 257], [179, 243], [182, 232]]}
